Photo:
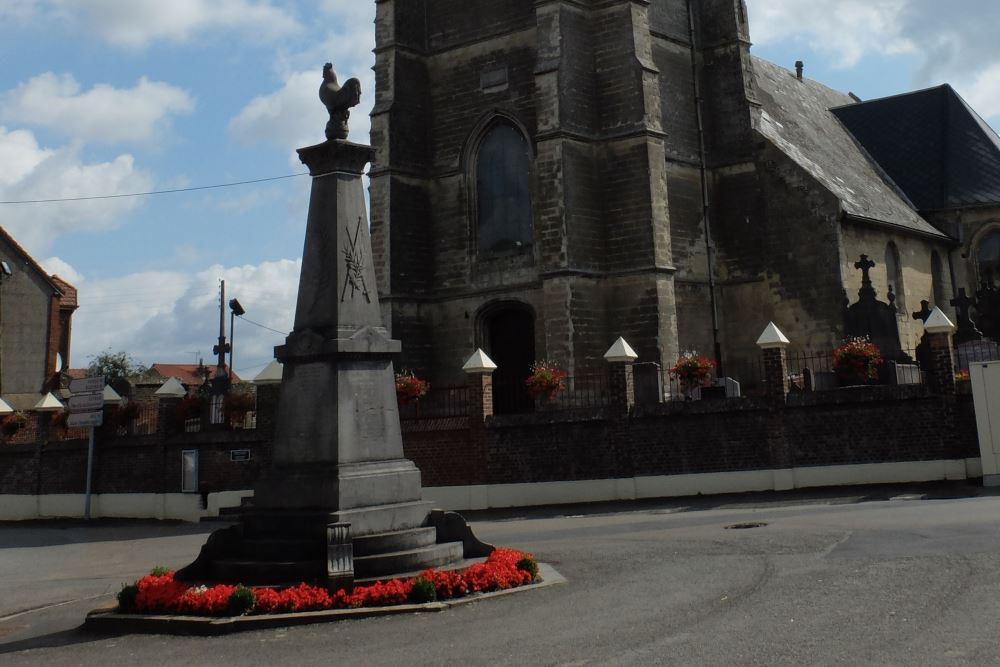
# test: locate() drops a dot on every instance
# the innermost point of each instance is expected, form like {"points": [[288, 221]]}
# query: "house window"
{"points": [[988, 260], [894, 275], [503, 198]]}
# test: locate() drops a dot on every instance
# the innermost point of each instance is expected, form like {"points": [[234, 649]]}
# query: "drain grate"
{"points": [[749, 524]]}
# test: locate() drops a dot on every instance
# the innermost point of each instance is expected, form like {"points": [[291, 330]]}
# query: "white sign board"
{"points": [[86, 385], [85, 419], [86, 402]]}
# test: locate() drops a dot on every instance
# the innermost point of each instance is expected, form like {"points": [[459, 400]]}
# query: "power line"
{"points": [[153, 192], [258, 324]]}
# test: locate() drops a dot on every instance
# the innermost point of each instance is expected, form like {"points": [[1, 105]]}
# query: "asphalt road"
{"points": [[829, 580]]}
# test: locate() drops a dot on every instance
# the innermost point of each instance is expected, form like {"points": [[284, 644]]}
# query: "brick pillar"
{"points": [[776, 373], [621, 380], [621, 386], [938, 330], [166, 417], [773, 344], [479, 373]]}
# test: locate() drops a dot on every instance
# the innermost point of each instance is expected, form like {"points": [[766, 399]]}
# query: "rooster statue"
{"points": [[338, 101]]}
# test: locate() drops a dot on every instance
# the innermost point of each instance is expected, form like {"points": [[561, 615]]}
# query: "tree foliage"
{"points": [[115, 365]]}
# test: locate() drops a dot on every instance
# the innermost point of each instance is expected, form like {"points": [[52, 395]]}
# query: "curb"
{"points": [[106, 620]]}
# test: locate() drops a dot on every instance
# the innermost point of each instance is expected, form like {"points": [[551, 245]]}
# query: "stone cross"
{"points": [[924, 312], [865, 265], [966, 327]]}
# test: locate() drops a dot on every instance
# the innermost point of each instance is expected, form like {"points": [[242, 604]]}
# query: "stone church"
{"points": [[553, 174]]}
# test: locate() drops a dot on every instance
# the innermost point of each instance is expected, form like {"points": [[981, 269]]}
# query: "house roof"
{"points": [[188, 374], [69, 296], [54, 282], [932, 144], [796, 118]]}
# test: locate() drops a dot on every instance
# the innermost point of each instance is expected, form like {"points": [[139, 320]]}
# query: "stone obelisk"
{"points": [[337, 444], [337, 454]]}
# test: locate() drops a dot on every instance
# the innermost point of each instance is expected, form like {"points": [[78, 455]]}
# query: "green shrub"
{"points": [[126, 597], [241, 600], [158, 571], [422, 591], [528, 565]]}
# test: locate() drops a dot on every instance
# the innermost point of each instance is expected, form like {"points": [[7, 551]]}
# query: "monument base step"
{"points": [[385, 518], [401, 540], [257, 572], [282, 549], [393, 563]]}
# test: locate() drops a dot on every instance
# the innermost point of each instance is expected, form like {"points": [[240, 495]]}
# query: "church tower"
{"points": [[542, 176]]}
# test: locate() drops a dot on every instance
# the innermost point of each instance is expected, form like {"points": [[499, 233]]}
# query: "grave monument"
{"points": [[338, 467]]}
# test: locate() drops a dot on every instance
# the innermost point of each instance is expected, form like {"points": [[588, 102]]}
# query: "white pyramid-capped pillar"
{"points": [[938, 322], [479, 363], [620, 352], [112, 397], [49, 403], [480, 369], [271, 373], [772, 338], [172, 388], [5, 408]]}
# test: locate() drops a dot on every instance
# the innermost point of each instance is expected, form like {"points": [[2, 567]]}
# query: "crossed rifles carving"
{"points": [[355, 259]]}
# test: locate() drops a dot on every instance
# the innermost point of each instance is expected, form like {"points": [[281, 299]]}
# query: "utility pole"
{"points": [[220, 385], [5, 273]]}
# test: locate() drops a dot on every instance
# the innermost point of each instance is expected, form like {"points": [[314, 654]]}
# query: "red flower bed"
{"points": [[161, 593]]}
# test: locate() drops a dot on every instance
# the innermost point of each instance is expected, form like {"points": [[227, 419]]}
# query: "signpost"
{"points": [[86, 408]]}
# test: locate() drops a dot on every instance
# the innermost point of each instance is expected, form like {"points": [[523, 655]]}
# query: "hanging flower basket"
{"points": [[410, 388], [545, 381], [692, 370], [857, 361], [12, 423]]}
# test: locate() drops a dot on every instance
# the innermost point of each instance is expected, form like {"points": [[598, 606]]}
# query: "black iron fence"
{"points": [[439, 402], [511, 396]]}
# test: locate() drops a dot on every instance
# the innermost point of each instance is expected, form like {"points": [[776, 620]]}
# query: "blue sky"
{"points": [[117, 96]]}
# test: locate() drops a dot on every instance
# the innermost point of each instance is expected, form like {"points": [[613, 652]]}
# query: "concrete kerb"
{"points": [[107, 621]]}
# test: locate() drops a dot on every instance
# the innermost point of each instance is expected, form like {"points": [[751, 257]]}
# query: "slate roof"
{"points": [[796, 118], [932, 144]]}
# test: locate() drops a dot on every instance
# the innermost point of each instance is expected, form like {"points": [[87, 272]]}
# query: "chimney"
{"points": [[799, 65]]}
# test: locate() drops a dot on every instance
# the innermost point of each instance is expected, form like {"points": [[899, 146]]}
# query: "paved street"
{"points": [[836, 579]]}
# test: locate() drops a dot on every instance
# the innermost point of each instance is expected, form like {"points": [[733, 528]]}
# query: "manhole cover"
{"points": [[749, 524]]}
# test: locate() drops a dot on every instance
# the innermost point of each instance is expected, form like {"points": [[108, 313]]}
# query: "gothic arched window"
{"points": [[503, 197], [894, 275], [988, 259]]}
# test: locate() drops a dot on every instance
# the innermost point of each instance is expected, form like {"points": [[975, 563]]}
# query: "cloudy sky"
{"points": [[102, 97]]}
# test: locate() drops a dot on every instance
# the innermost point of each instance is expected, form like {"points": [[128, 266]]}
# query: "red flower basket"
{"points": [[857, 361], [692, 370], [546, 380], [410, 388]]}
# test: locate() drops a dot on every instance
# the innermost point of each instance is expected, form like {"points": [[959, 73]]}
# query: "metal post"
{"points": [[90, 470], [232, 339]]}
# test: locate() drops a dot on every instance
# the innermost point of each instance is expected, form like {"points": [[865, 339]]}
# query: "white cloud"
{"points": [[102, 114], [984, 92], [950, 42], [63, 269], [137, 23], [291, 117], [169, 317], [846, 30], [29, 171]]}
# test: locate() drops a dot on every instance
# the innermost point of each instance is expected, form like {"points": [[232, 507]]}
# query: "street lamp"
{"points": [[235, 310]]}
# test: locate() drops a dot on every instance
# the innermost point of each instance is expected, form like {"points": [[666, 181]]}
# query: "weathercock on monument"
{"points": [[338, 101]]}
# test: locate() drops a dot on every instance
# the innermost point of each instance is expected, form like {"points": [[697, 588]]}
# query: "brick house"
{"points": [[552, 175], [36, 314]]}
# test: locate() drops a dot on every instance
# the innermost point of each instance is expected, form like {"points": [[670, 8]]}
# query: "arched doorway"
{"points": [[507, 331]]}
